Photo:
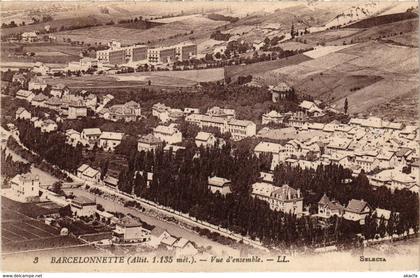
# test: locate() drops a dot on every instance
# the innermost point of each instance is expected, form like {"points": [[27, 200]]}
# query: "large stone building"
{"points": [[284, 198], [25, 187]]}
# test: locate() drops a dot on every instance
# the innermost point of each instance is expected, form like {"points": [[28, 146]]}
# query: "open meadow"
{"points": [[366, 73], [186, 78]]}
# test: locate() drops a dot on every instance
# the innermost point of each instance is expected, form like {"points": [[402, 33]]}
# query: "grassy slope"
{"points": [[130, 35], [258, 68], [162, 79], [380, 71]]}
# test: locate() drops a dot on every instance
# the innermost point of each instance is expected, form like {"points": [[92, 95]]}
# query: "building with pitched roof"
{"points": [[109, 140], [218, 184], [37, 83], [328, 208], [129, 229], [148, 143], [280, 92], [225, 113], [357, 210], [272, 117], [59, 90], [205, 139], [284, 198], [169, 134], [91, 134], [49, 126], [87, 173], [25, 95], [83, 206], [23, 114], [39, 100]]}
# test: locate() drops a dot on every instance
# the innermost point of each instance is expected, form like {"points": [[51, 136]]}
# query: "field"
{"points": [[21, 231], [160, 79], [353, 35], [383, 19], [366, 73], [182, 29], [406, 39], [258, 68], [49, 53], [291, 45]]}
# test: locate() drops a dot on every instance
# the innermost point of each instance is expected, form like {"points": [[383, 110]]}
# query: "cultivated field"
{"points": [[49, 53], [367, 74], [181, 28], [160, 79], [353, 35], [262, 67], [204, 75], [21, 231]]}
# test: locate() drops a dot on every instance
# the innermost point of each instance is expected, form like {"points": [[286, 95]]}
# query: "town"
{"points": [[221, 167]]}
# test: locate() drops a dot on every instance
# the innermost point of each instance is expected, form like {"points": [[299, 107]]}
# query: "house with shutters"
{"points": [[284, 198], [53, 103], [76, 109], [25, 187], [127, 112]]}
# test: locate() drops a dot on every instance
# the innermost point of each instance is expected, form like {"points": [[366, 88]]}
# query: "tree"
{"points": [[346, 106], [292, 31], [57, 188], [104, 168], [65, 211]]}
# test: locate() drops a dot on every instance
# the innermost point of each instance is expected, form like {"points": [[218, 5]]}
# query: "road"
{"points": [[44, 177], [172, 228]]}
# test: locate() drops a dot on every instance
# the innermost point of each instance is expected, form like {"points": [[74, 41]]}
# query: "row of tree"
{"points": [[50, 146], [338, 183], [10, 167], [180, 181]]}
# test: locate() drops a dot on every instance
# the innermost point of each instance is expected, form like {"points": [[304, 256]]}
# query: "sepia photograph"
{"points": [[209, 136]]}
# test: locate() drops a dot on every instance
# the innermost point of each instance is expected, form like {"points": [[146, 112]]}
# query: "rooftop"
{"points": [[218, 181]]}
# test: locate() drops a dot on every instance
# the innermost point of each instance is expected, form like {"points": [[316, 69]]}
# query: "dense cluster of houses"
{"points": [[46, 124], [225, 121], [69, 105], [387, 152]]}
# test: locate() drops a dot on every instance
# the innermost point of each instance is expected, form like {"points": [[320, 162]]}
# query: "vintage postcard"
{"points": [[195, 136]]}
